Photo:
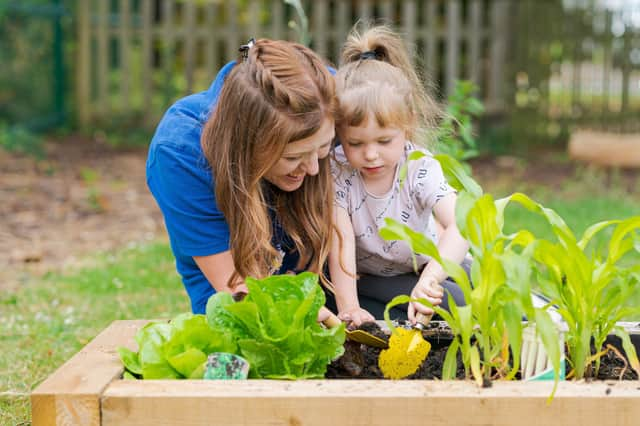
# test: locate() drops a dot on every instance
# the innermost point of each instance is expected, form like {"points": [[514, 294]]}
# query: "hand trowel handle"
{"points": [[332, 321], [422, 320]]}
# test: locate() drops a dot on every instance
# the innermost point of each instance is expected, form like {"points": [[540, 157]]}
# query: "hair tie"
{"points": [[369, 54], [245, 48]]}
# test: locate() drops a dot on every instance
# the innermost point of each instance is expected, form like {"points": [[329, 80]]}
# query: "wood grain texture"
{"points": [[368, 402], [71, 395], [605, 149]]}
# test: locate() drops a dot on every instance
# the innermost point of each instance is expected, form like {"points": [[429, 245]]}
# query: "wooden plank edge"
{"points": [[71, 395], [367, 402]]}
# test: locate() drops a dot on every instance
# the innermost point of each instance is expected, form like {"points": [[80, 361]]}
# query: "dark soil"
{"points": [[360, 361]]}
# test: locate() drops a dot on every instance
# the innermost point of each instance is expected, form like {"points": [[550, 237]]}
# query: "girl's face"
{"points": [[375, 151], [300, 158]]}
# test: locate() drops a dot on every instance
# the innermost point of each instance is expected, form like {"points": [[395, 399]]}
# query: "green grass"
{"points": [[49, 319]]}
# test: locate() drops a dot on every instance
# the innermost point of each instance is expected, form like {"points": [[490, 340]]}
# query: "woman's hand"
{"points": [[428, 287], [354, 317]]}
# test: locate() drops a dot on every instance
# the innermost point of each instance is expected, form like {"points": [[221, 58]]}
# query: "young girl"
{"points": [[384, 114]]}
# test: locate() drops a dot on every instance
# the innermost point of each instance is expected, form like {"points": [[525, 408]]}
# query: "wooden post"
{"points": [[475, 36], [83, 88], [254, 26], [211, 40], [71, 395], [498, 25], [124, 53], [147, 59], [343, 18], [231, 31], [386, 8], [189, 34], [168, 45], [409, 20], [103, 58], [320, 26], [364, 9], [452, 72], [431, 42]]}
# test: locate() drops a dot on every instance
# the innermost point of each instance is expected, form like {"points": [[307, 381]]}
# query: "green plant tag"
{"points": [[226, 366]]}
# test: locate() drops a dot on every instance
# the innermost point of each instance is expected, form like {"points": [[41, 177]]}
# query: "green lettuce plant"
{"points": [[174, 350], [275, 327]]}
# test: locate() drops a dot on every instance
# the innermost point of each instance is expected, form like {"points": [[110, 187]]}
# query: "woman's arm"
{"points": [[451, 245], [342, 267], [217, 269]]}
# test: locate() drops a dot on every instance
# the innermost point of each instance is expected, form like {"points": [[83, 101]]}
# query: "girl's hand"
{"points": [[428, 287], [354, 317]]}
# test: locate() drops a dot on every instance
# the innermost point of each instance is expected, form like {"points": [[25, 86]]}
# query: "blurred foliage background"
{"points": [[111, 67]]}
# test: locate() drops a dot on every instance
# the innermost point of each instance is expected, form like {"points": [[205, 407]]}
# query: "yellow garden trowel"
{"points": [[407, 350], [359, 336]]}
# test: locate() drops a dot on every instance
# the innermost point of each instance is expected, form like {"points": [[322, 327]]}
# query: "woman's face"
{"points": [[300, 158]]}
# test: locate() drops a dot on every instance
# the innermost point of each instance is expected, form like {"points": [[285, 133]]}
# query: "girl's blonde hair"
{"points": [[376, 76], [280, 93]]}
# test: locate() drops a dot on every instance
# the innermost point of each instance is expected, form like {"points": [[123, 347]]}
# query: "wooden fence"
{"points": [[578, 63], [136, 56]]}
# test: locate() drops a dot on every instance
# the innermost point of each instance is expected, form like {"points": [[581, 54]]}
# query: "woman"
{"points": [[241, 171]]}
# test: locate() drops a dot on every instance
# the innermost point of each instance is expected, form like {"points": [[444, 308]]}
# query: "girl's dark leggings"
{"points": [[375, 292]]}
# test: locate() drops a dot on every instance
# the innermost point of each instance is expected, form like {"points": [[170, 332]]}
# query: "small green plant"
{"points": [[20, 140], [90, 178], [455, 133], [590, 287], [488, 329]]}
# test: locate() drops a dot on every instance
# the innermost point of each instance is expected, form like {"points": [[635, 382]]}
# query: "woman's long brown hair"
{"points": [[280, 93]]}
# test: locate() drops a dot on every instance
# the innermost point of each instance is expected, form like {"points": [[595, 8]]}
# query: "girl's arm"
{"points": [[342, 267], [451, 245]]}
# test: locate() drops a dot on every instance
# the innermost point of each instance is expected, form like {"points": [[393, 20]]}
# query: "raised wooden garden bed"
{"points": [[87, 390]]}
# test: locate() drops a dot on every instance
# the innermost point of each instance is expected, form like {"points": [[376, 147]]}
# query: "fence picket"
{"points": [[103, 56], [319, 39], [409, 20], [189, 42], [498, 25], [231, 29], [124, 53], [431, 42], [453, 46], [475, 37], [277, 20], [147, 58], [83, 88], [253, 24], [364, 10]]}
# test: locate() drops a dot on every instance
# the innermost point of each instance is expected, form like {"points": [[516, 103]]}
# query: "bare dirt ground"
{"points": [[86, 197], [83, 198]]}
